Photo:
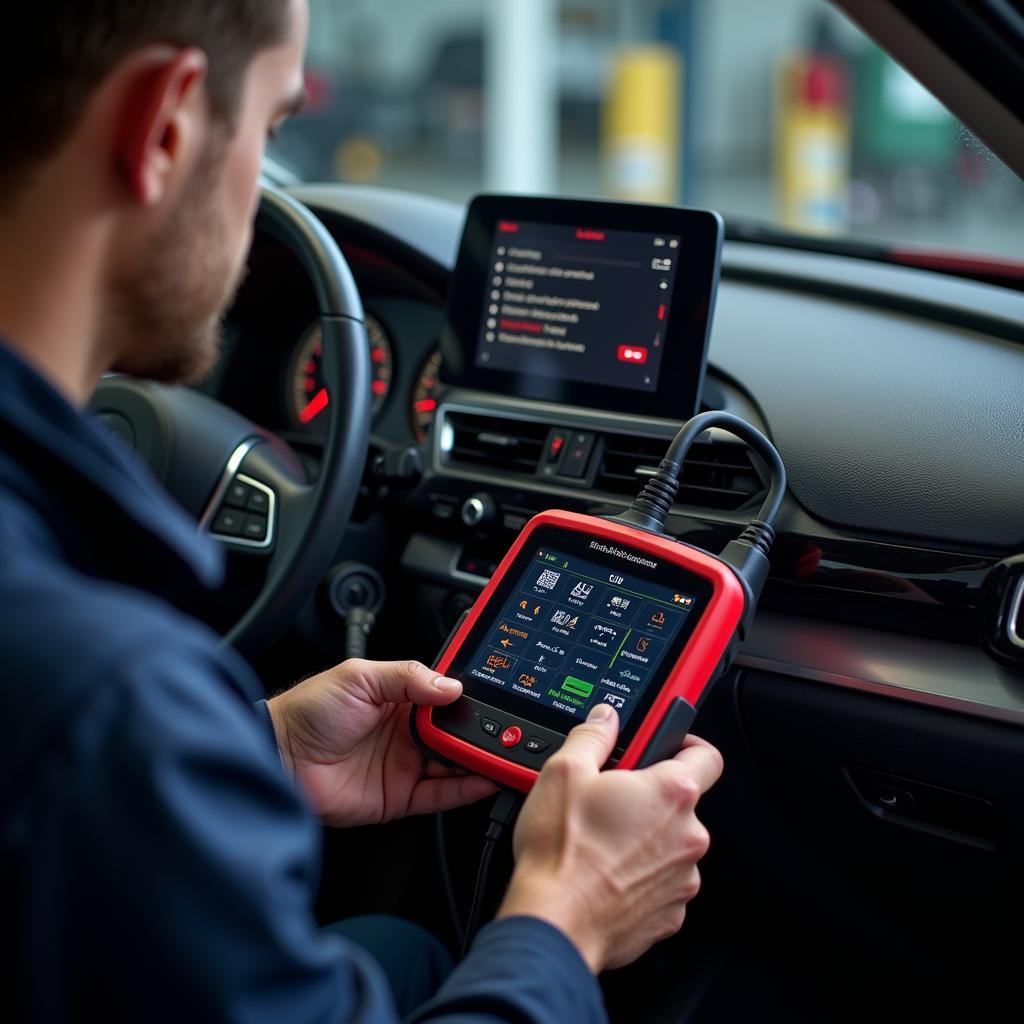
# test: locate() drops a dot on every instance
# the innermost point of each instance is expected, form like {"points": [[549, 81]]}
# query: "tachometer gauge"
{"points": [[424, 397], [308, 396]]}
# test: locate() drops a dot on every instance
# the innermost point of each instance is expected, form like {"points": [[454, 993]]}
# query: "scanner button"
{"points": [[511, 736], [490, 726], [536, 746]]}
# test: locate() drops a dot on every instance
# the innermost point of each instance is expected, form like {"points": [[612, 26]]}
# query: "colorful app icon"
{"points": [[577, 686]]}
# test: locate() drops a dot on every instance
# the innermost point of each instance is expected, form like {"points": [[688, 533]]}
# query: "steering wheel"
{"points": [[244, 485]]}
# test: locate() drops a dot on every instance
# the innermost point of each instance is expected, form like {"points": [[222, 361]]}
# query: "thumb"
{"points": [[594, 741], [396, 682]]}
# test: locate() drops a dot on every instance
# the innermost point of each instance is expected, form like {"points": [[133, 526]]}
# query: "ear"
{"points": [[162, 118]]}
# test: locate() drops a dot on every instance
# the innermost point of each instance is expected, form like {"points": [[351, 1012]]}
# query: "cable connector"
{"points": [[650, 510], [748, 555], [653, 504], [503, 813]]}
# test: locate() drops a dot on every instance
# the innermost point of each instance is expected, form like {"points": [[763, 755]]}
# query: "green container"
{"points": [[896, 120]]}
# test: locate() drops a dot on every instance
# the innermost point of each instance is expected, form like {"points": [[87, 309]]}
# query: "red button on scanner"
{"points": [[511, 736], [632, 354]]}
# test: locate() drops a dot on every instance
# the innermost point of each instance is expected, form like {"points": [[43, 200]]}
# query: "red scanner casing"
{"points": [[697, 665]]}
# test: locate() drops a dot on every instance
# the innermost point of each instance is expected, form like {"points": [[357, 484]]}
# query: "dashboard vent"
{"points": [[716, 474], [512, 446]]}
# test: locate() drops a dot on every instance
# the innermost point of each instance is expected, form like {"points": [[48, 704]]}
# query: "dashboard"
{"points": [[892, 393], [873, 726]]}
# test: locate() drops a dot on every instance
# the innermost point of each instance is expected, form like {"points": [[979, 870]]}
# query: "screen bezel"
{"points": [[577, 545], [687, 331]]}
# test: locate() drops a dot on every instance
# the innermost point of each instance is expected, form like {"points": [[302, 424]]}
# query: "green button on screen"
{"points": [[577, 686]]}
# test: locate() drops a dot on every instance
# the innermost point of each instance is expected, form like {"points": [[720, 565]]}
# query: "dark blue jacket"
{"points": [[155, 862]]}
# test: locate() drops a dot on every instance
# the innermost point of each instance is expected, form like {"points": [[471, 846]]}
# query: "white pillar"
{"points": [[521, 96]]}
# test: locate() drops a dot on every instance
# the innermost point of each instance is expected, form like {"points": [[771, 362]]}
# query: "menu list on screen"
{"points": [[578, 303], [573, 634]]}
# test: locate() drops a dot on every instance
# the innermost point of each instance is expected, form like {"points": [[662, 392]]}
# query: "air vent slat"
{"points": [[504, 445], [717, 476]]}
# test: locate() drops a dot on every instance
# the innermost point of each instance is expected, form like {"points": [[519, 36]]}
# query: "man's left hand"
{"points": [[344, 735]]}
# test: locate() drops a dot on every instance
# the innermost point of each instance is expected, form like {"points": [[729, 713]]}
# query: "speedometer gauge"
{"points": [[424, 397], [308, 395]]}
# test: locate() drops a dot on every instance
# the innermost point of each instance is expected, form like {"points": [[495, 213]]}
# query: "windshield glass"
{"points": [[780, 112]]}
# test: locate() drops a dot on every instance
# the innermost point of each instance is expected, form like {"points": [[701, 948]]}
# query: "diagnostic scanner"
{"points": [[585, 610]]}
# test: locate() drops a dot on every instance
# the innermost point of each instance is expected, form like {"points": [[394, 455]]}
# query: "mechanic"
{"points": [[159, 846]]}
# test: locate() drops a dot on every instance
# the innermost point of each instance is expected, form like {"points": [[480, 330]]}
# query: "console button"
{"points": [[490, 726], [536, 746], [556, 443], [511, 736], [577, 455]]}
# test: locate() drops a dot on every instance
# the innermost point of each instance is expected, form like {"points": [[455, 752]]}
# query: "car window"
{"points": [[781, 113]]}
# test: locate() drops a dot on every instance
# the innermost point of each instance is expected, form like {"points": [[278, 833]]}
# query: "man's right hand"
{"points": [[610, 858]]}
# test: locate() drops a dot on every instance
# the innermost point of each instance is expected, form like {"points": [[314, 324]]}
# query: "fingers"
{"points": [[698, 761], [594, 741], [435, 770], [702, 760], [397, 682], [444, 794]]}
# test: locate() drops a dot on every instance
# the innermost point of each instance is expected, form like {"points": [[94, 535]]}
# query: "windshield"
{"points": [[781, 113]]}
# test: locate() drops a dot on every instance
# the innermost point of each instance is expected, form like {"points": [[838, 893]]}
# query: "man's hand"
{"points": [[344, 735], [610, 857]]}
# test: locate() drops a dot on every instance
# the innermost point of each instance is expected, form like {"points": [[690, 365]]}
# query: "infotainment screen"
{"points": [[580, 622], [578, 303], [584, 303]]}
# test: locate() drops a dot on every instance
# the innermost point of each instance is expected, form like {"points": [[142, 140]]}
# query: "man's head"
{"points": [[155, 114]]}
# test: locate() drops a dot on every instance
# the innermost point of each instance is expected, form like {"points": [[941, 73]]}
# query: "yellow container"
{"points": [[812, 156], [642, 122]]}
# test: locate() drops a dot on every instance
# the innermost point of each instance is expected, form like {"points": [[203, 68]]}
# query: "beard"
{"points": [[166, 310]]}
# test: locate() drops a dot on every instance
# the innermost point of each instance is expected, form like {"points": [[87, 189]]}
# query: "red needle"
{"points": [[316, 405]]}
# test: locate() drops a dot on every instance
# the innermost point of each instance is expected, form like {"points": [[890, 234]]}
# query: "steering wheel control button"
{"points": [[255, 528], [511, 736], [534, 745], [490, 726], [238, 494], [259, 501], [244, 517], [229, 523]]}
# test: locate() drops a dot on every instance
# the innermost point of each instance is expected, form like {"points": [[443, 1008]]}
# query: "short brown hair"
{"points": [[62, 49]]}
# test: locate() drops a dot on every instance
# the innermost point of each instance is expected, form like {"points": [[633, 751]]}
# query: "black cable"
{"points": [[503, 813], [748, 553], [476, 907], [653, 504], [441, 849]]}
